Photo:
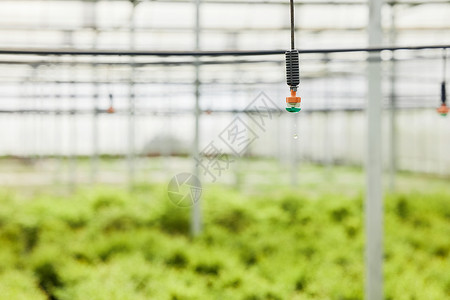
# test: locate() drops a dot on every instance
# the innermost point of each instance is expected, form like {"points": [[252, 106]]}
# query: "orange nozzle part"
{"points": [[293, 98], [110, 110], [443, 110]]}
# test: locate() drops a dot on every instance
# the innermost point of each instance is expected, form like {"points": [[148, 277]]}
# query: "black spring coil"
{"points": [[292, 69], [443, 93]]}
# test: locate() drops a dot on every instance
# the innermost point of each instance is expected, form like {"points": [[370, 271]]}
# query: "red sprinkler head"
{"points": [[110, 110], [443, 110], [293, 102]]}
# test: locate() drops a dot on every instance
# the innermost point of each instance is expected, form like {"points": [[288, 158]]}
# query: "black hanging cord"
{"points": [[444, 60], [292, 25]]}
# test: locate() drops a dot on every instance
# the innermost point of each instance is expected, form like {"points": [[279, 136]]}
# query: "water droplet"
{"points": [[295, 136]]}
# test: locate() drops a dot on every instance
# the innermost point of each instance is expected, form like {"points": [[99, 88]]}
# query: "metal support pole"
{"points": [[58, 134], [41, 145], [91, 20], [233, 44], [73, 140], [95, 133], [328, 147], [22, 149], [374, 202], [196, 214], [72, 118], [131, 112], [35, 116], [328, 142], [392, 115]]}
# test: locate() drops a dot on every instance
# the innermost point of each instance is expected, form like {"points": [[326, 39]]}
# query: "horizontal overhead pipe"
{"points": [[165, 63], [174, 29], [84, 52], [143, 112], [271, 2]]}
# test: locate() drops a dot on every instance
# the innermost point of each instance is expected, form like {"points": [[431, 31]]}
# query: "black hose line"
{"points": [[292, 69], [292, 25], [443, 93], [292, 62]]}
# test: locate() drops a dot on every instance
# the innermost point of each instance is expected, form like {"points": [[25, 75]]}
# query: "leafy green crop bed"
{"points": [[108, 244]]}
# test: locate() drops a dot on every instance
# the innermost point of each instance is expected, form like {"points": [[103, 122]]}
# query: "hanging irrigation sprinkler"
{"points": [[292, 70], [111, 109], [443, 109]]}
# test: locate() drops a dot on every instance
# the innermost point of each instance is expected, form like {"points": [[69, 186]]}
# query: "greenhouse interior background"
{"points": [[110, 108]]}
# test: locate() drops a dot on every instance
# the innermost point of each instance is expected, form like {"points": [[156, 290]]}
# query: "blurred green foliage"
{"points": [[108, 244]]}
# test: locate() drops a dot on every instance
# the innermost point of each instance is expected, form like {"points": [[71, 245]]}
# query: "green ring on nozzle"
{"points": [[293, 109], [443, 115]]}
